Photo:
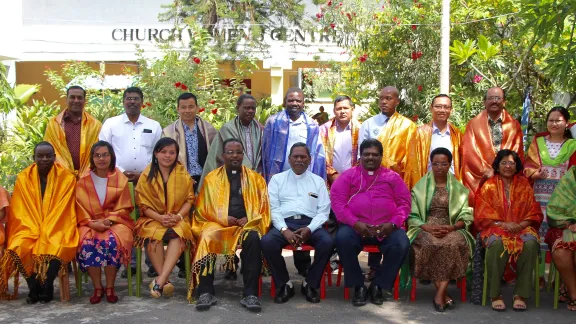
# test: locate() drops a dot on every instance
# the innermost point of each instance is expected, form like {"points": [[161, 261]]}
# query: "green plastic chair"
{"points": [[554, 275]]}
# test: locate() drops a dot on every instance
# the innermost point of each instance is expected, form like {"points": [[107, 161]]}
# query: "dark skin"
{"points": [[246, 111], [389, 99], [44, 157], [494, 107], [132, 106], [299, 161], [294, 104], [75, 101], [232, 156]]}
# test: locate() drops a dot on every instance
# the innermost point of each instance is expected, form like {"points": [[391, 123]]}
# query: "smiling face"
{"points": [[102, 158], [233, 155], [441, 108], [132, 103], [75, 101], [187, 109], [299, 160], [294, 104], [495, 102], [343, 111], [44, 157], [247, 111], [556, 123], [166, 156], [388, 101], [507, 167], [371, 158]]}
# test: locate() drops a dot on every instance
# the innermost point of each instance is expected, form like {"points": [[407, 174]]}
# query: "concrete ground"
{"points": [[334, 309]]}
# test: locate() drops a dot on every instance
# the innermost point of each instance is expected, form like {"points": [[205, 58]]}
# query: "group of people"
{"points": [[417, 193]]}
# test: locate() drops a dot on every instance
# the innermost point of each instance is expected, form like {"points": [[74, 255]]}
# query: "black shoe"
{"points": [[311, 294], [376, 295], [425, 282], [181, 273], [205, 301], [360, 294], [251, 303], [124, 273], [35, 290], [230, 275], [303, 273], [439, 308], [151, 273], [47, 294], [284, 294]]}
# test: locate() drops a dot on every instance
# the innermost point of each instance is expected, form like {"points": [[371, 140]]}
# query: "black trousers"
{"points": [[36, 287], [251, 257]]}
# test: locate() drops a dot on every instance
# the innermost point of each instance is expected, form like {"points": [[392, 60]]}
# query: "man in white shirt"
{"points": [[299, 205], [133, 137]]}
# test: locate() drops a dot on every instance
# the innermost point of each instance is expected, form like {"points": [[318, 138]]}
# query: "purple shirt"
{"points": [[373, 199]]}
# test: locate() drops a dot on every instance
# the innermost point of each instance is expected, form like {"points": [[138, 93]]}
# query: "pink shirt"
{"points": [[373, 199]]}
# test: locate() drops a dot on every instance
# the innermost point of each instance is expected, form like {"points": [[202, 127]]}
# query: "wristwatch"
{"points": [[283, 229], [394, 226]]}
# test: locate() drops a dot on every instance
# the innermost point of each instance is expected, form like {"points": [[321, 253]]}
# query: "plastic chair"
{"points": [[554, 275]]}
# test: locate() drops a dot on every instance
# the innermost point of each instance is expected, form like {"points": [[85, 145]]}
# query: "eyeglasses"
{"points": [[442, 107], [556, 121], [133, 99], [233, 152], [511, 163], [443, 165], [101, 156], [494, 98]]}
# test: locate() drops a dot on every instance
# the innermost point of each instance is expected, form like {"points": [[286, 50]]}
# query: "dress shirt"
{"points": [[248, 141], [496, 132], [342, 155], [133, 147], [73, 131], [372, 127], [191, 139], [292, 194], [441, 140], [297, 132], [236, 206]]}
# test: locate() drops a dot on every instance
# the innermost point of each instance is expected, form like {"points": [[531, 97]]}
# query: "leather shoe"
{"points": [[124, 273], [376, 295], [284, 294], [311, 294], [303, 273], [360, 294]]}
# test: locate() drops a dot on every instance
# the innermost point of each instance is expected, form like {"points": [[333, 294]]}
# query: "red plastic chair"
{"points": [[369, 249], [460, 283], [327, 273]]}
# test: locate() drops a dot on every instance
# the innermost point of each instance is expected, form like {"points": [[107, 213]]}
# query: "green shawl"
{"points": [[561, 209], [566, 151], [458, 209]]}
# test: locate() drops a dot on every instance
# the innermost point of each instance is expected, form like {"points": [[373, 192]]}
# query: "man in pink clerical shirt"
{"points": [[371, 203]]}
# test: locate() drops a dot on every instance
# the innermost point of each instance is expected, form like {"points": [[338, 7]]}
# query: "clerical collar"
{"points": [[370, 172], [233, 172], [298, 176]]}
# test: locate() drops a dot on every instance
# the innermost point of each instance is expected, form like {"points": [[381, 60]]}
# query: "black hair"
{"points": [[186, 96], [133, 90], [154, 167], [293, 89], [231, 140], [371, 142], [442, 95], [343, 98], [100, 144], [503, 93], [76, 87], [243, 97], [441, 151], [43, 143], [504, 153], [300, 144], [566, 114]]}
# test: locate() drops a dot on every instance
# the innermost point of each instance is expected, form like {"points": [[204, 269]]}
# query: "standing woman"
{"points": [[164, 195], [103, 206]]}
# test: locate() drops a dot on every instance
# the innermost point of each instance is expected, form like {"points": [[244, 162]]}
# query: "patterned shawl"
{"points": [[328, 136], [561, 209], [538, 154]]}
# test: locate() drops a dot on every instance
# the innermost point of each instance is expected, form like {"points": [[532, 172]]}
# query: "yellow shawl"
{"points": [[88, 136], [151, 195], [210, 220], [39, 229], [328, 136], [396, 137]]}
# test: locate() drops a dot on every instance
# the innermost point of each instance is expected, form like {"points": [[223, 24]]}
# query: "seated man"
{"points": [[299, 205], [232, 209], [371, 203], [41, 227]]}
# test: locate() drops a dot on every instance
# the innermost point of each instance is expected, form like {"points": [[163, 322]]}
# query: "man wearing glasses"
{"points": [[133, 137], [494, 129], [438, 133]]}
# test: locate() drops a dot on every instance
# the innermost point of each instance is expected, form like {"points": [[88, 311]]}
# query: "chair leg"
{"points": [[64, 285], [272, 287], [138, 270], [556, 288], [339, 276], [77, 279], [463, 289], [413, 290], [260, 286], [187, 265], [485, 284], [346, 293], [329, 274], [323, 287], [551, 273], [397, 287], [537, 282]]}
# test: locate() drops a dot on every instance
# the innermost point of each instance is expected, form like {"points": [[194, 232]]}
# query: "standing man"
{"points": [[299, 205], [283, 130], [321, 117], [492, 130], [133, 137], [193, 135], [395, 132], [438, 133], [72, 133]]}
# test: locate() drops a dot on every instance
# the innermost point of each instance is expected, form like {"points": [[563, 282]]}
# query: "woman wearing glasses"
{"points": [[508, 218], [438, 227], [103, 207]]}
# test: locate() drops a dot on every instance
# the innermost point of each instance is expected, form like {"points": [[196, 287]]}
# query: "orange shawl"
{"points": [[4, 202], [117, 208], [396, 137], [419, 153], [328, 136], [151, 195], [491, 205], [477, 150], [39, 229], [88, 136]]}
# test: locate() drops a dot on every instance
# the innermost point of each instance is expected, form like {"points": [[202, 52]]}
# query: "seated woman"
{"points": [[164, 195], [561, 237], [438, 227], [103, 207], [508, 217]]}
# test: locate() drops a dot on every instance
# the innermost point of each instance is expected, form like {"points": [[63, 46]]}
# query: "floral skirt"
{"points": [[99, 253]]}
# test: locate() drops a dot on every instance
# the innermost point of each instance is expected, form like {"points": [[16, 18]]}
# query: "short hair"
{"points": [[76, 87], [504, 153], [566, 114], [503, 93], [244, 96], [100, 144], [43, 143], [343, 98], [133, 90], [371, 142], [442, 95], [231, 140], [154, 167], [441, 151], [293, 89], [300, 144], [186, 96]]}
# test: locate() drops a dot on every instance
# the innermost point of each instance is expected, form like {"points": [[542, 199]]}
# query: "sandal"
{"points": [[563, 297], [519, 304], [168, 289], [111, 295], [96, 298], [571, 305], [155, 289], [450, 302], [498, 304]]}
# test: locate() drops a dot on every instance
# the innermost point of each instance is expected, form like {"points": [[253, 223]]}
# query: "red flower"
{"points": [[340, 4], [349, 16], [419, 54], [420, 88], [415, 118], [319, 15], [196, 60], [202, 109], [363, 58], [143, 106], [215, 111], [184, 87], [414, 56], [477, 78], [329, 3], [332, 26], [148, 104], [177, 84], [212, 101], [414, 27]]}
